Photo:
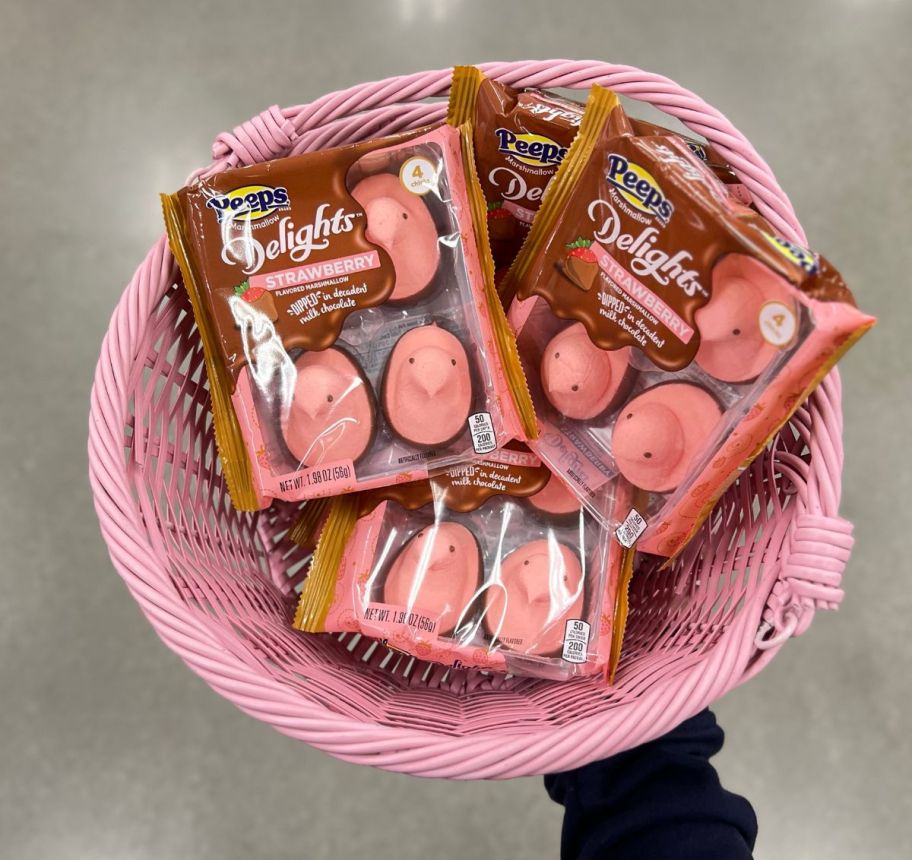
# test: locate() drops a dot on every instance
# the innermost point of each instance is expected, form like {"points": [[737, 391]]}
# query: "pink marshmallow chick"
{"points": [[400, 223], [331, 416], [661, 431], [541, 587], [555, 499], [427, 387], [580, 380], [436, 573], [732, 346]]}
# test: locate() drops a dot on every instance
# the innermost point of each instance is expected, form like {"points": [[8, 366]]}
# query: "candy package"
{"points": [[666, 331], [491, 565], [345, 300], [520, 138]]}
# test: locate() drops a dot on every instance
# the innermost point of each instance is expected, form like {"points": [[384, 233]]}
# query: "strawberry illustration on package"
{"points": [[667, 332], [258, 298], [521, 138], [579, 265], [499, 221], [352, 332]]}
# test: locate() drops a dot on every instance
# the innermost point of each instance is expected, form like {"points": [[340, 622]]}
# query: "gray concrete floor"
{"points": [[109, 747]]}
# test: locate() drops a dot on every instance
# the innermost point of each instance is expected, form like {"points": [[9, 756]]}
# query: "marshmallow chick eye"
{"points": [[660, 433], [540, 589], [331, 416], [427, 387], [436, 573], [580, 380], [400, 223], [732, 345]]}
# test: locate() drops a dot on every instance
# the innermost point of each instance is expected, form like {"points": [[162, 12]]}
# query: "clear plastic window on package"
{"points": [[492, 565], [345, 298]]}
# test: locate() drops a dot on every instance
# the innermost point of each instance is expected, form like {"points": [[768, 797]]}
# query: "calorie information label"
{"points": [[482, 429], [576, 641], [633, 526]]}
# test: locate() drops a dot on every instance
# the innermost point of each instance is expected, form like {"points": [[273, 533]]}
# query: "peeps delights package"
{"points": [[492, 565], [520, 138], [345, 300], [666, 331]]}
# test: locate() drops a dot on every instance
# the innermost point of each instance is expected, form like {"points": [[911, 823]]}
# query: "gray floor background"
{"points": [[109, 747]]}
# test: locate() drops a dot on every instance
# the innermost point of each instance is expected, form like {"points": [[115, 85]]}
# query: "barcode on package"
{"points": [[576, 641], [482, 429], [633, 526]]}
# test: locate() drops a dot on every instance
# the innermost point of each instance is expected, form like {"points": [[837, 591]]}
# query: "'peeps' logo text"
{"points": [[637, 186], [533, 149], [249, 203], [799, 256]]}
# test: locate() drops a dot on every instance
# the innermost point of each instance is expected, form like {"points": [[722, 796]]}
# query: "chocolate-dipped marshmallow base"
{"points": [[437, 573], [540, 589], [580, 380], [660, 432], [555, 499], [427, 387], [331, 416]]}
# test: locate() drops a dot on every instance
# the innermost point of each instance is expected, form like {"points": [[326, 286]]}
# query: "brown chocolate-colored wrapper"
{"points": [[627, 242], [277, 256], [520, 139], [674, 202]]}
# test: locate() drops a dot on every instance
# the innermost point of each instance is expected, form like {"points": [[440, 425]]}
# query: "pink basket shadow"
{"points": [[219, 586]]}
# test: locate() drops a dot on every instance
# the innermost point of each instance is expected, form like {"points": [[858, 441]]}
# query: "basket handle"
{"points": [[809, 578], [817, 552], [270, 134]]}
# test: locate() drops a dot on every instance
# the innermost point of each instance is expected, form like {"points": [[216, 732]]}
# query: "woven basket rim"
{"points": [[503, 753]]}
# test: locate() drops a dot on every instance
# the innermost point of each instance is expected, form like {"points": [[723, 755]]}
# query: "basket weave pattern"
{"points": [[219, 586]]}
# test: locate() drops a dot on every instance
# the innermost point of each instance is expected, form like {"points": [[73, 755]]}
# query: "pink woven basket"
{"points": [[219, 586]]}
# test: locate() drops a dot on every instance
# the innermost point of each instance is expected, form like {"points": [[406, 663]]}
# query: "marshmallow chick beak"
{"points": [[580, 380], [427, 386], [536, 587], [652, 437], [441, 558], [400, 223], [433, 368], [661, 432], [331, 414], [732, 345], [569, 373], [436, 572], [384, 220], [732, 314], [541, 586]]}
